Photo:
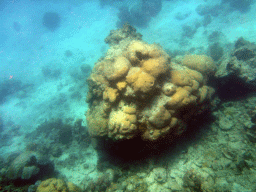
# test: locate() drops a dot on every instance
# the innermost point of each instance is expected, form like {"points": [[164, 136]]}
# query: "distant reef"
{"points": [[139, 15], [51, 20]]}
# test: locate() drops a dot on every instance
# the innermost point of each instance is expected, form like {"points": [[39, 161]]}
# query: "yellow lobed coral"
{"points": [[97, 119], [155, 66], [121, 85], [110, 94], [145, 92], [185, 77], [136, 51], [140, 80], [160, 118], [57, 185], [201, 63], [122, 122], [117, 68]]}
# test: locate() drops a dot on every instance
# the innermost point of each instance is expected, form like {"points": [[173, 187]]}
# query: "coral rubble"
{"points": [[136, 91]]}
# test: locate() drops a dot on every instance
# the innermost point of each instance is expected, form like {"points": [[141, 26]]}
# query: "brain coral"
{"points": [[136, 91]]}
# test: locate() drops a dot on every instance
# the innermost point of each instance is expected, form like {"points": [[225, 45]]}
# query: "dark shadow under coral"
{"points": [[233, 88], [136, 152]]}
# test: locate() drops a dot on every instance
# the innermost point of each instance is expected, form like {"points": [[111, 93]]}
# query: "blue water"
{"points": [[41, 77]]}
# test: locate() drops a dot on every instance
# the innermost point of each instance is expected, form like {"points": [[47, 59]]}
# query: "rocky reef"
{"points": [[135, 90], [236, 75]]}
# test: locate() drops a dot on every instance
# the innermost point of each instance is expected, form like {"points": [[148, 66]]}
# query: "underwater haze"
{"points": [[122, 95]]}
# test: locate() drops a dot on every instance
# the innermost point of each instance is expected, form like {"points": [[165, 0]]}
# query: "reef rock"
{"points": [[118, 35], [236, 75], [29, 166], [23, 167], [136, 91], [242, 62]]}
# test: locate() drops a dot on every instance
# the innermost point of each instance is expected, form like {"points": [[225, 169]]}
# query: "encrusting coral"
{"points": [[135, 90]]}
